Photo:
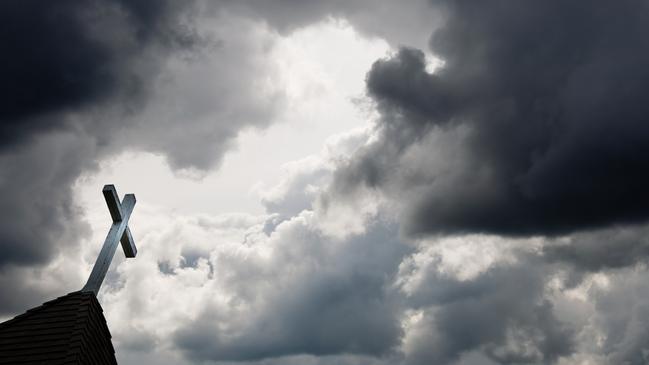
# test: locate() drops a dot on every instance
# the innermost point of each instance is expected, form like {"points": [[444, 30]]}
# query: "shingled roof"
{"points": [[67, 330]]}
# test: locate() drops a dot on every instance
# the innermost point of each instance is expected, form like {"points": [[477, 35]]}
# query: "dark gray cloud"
{"points": [[65, 56], [28, 176], [64, 66], [503, 312], [39, 217], [622, 315], [399, 23], [549, 97], [612, 248]]}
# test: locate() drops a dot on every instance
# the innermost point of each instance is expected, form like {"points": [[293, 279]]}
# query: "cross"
{"points": [[119, 232]]}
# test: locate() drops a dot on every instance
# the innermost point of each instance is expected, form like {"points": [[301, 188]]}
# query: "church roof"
{"points": [[68, 330]]}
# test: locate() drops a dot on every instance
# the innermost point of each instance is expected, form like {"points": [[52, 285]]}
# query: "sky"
{"points": [[335, 182]]}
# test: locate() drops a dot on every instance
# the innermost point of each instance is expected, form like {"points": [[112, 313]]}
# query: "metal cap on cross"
{"points": [[119, 232]]}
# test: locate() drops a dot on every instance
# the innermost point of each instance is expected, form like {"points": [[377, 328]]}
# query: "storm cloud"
{"points": [[72, 55], [62, 64], [504, 312], [611, 248], [544, 102]]}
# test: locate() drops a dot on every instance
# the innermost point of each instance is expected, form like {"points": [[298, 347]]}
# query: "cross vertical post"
{"points": [[119, 232]]}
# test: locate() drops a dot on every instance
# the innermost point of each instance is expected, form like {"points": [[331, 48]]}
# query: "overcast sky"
{"points": [[329, 182]]}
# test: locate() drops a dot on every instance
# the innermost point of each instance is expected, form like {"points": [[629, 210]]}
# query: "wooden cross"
{"points": [[119, 232]]}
